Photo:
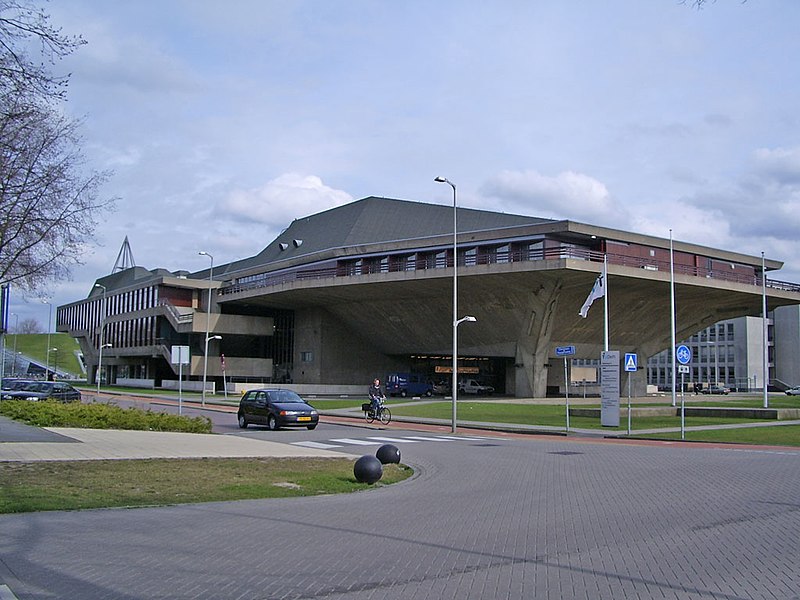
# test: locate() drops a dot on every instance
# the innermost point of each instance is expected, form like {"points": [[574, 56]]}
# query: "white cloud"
{"points": [[281, 200], [568, 195], [782, 164]]}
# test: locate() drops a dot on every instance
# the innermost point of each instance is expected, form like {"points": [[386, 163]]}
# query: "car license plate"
{"points": [[303, 418]]}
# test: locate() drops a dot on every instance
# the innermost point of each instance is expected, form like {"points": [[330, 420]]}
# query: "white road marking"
{"points": [[355, 442], [374, 441], [317, 445]]}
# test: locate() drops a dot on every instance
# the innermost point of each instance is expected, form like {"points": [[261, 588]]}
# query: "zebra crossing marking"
{"points": [[317, 445], [376, 440], [355, 442]]}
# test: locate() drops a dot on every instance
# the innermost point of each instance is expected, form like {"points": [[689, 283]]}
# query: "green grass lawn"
{"points": [[35, 346], [40, 486], [783, 435], [71, 485], [544, 414], [337, 403]]}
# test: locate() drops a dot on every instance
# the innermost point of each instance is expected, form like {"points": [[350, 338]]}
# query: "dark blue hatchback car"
{"points": [[275, 409]]}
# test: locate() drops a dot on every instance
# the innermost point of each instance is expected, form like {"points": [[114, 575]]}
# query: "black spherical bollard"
{"points": [[368, 469], [388, 454]]}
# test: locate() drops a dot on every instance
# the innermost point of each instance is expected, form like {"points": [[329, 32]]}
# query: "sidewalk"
{"points": [[22, 443]]}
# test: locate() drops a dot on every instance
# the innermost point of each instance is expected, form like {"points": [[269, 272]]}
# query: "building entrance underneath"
{"points": [[438, 370]]}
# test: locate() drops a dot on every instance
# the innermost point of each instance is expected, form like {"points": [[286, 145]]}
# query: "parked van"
{"points": [[408, 384]]}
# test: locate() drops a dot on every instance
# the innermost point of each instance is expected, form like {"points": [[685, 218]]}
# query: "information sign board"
{"points": [[609, 388], [180, 355]]}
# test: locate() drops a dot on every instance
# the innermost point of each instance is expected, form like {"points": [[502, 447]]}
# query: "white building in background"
{"points": [[787, 344], [731, 353]]}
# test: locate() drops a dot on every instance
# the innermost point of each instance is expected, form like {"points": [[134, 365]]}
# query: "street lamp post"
{"points": [[55, 367], [205, 365], [16, 335], [208, 322], [49, 321], [456, 320], [101, 345]]}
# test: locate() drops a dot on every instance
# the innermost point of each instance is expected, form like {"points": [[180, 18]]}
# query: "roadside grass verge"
{"points": [[75, 485], [333, 404], [778, 435], [550, 415]]}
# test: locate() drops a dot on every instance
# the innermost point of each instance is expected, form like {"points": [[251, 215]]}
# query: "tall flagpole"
{"points": [[765, 329], [672, 313], [605, 300]]}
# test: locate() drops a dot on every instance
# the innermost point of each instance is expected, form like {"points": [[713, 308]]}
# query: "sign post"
{"points": [[631, 366], [566, 351], [180, 356], [684, 355]]}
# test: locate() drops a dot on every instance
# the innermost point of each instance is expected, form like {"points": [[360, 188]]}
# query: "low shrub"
{"points": [[99, 416]]}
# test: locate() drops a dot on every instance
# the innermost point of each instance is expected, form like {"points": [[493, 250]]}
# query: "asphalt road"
{"points": [[484, 517]]}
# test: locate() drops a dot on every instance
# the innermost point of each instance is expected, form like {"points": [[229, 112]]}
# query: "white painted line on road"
{"points": [[6, 593], [355, 442], [426, 439], [396, 440], [459, 438], [317, 445]]}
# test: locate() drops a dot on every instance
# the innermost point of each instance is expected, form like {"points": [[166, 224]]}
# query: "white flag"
{"points": [[598, 291]]}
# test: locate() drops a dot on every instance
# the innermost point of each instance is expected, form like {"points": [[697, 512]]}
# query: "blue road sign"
{"points": [[684, 354], [565, 350], [631, 362]]}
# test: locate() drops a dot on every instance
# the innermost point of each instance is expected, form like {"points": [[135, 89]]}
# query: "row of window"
{"points": [[128, 334], [87, 316], [722, 374]]}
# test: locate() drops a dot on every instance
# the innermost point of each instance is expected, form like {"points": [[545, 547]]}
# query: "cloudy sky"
{"points": [[222, 122]]}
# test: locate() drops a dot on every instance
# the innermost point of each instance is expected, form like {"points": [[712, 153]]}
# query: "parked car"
{"points": [[408, 384], [275, 409], [793, 391], [471, 386], [715, 389], [442, 388], [41, 390], [14, 383]]}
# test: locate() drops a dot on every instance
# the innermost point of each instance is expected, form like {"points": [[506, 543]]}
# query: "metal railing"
{"points": [[483, 256], [173, 312]]}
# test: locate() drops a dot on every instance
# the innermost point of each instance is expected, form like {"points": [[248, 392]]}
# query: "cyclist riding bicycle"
{"points": [[376, 396]]}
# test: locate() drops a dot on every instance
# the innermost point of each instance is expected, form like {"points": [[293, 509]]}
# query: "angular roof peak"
{"points": [[374, 219]]}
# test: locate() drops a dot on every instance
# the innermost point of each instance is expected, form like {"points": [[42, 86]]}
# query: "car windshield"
{"points": [[285, 397]]}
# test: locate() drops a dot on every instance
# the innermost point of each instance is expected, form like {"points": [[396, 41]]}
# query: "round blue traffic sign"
{"points": [[684, 354]]}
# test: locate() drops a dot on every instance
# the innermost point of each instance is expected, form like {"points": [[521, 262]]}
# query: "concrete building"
{"points": [[731, 353], [366, 289]]}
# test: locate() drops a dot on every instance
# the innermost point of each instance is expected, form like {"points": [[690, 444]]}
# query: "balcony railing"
{"points": [[483, 256]]}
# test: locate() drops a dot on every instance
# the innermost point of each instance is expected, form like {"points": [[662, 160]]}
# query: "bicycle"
{"points": [[384, 415]]}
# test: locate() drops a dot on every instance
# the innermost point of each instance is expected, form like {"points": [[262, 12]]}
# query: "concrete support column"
{"points": [[533, 346]]}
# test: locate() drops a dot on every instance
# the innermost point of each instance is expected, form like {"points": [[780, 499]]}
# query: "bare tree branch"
{"points": [[49, 205]]}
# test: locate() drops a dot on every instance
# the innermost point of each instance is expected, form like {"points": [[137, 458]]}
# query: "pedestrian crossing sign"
{"points": [[631, 362]]}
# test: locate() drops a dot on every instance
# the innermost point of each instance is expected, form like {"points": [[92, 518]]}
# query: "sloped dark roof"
{"points": [[375, 220]]}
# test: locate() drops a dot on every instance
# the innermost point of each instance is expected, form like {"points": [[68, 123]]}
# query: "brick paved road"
{"points": [[502, 518]]}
